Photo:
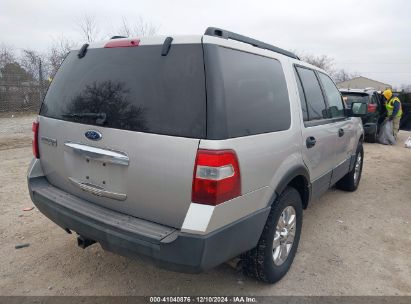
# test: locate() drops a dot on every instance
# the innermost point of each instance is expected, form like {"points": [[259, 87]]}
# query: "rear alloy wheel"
{"points": [[270, 260], [284, 235], [352, 179]]}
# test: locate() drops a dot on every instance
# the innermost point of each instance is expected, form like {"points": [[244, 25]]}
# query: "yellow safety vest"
{"points": [[390, 107]]}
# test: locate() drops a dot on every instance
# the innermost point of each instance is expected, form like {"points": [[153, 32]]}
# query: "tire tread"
{"points": [[254, 260], [347, 182]]}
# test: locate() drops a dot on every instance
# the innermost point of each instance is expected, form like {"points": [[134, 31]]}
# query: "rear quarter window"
{"points": [[252, 91]]}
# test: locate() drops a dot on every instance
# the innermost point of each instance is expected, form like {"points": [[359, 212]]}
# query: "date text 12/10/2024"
{"points": [[205, 299]]}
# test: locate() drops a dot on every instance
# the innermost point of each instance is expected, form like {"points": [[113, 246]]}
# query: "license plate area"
{"points": [[95, 172]]}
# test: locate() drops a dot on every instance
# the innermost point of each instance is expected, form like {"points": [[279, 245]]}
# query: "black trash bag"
{"points": [[386, 136]]}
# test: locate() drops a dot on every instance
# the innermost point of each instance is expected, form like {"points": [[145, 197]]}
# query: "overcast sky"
{"points": [[372, 38]]}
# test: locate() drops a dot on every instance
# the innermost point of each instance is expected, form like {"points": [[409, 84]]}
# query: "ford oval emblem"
{"points": [[93, 135]]}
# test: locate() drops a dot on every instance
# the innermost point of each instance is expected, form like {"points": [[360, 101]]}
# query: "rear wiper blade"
{"points": [[100, 117], [85, 115]]}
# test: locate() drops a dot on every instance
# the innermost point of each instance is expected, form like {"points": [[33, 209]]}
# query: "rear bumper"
{"points": [[133, 237]]}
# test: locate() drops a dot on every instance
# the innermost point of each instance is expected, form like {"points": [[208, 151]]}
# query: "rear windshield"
{"points": [[133, 89], [349, 98]]}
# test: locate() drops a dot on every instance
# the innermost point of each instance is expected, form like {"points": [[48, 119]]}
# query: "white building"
{"points": [[362, 83]]}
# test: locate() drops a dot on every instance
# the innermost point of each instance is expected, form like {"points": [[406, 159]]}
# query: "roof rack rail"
{"points": [[117, 37], [217, 32]]}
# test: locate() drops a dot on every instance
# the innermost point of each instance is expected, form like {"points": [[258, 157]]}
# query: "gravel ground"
{"points": [[352, 243]]}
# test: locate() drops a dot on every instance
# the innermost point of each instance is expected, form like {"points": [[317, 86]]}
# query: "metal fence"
{"points": [[21, 90], [21, 96]]}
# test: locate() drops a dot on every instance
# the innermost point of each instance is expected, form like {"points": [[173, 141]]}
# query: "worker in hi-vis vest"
{"points": [[394, 110]]}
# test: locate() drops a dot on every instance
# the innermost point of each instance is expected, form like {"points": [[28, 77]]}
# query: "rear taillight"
{"points": [[35, 142], [216, 177], [372, 107]]}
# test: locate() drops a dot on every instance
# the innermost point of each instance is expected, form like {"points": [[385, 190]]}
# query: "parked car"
{"points": [[376, 109], [192, 150], [405, 98]]}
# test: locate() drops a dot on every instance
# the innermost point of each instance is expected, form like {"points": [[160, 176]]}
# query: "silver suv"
{"points": [[192, 149]]}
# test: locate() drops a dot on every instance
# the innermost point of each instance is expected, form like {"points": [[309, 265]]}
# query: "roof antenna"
{"points": [[82, 52], [166, 46]]}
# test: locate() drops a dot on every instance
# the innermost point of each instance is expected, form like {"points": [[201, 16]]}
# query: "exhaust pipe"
{"points": [[83, 242]]}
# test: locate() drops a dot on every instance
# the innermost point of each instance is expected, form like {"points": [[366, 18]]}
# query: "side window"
{"points": [[374, 99], [333, 96], [255, 93], [302, 97], [314, 97]]}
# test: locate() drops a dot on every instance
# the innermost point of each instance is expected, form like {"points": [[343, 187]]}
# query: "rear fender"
{"points": [[299, 178]]}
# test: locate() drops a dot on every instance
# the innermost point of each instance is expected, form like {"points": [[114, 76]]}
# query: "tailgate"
{"points": [[120, 127], [145, 175]]}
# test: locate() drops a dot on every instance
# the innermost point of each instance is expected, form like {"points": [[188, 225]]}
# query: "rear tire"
{"points": [[352, 179], [268, 262], [372, 138]]}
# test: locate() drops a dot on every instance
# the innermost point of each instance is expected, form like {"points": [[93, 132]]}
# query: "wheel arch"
{"points": [[299, 179], [362, 138]]}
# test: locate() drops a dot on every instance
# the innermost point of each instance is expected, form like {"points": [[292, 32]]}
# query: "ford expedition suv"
{"points": [[192, 150]]}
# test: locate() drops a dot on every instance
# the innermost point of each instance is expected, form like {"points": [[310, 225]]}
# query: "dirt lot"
{"points": [[352, 243]]}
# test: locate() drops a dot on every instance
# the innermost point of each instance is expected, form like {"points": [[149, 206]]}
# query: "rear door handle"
{"points": [[310, 142], [99, 154], [340, 132]]}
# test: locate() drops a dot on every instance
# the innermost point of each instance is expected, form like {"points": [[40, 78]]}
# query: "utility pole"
{"points": [[41, 82]]}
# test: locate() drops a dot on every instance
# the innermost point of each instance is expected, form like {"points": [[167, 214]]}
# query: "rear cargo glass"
{"points": [[133, 89], [349, 98]]}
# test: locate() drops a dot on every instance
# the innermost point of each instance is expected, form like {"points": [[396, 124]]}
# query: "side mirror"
{"points": [[357, 109]]}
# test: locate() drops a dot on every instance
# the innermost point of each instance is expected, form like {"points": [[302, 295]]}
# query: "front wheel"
{"points": [[270, 260], [351, 180]]}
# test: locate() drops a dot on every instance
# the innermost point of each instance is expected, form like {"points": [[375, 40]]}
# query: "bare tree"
{"points": [[31, 60], [57, 53], [125, 28], [405, 88], [7, 55], [327, 64], [342, 75], [139, 28], [88, 28], [323, 62]]}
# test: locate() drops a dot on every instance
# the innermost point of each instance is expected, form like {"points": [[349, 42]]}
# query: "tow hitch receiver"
{"points": [[84, 242]]}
